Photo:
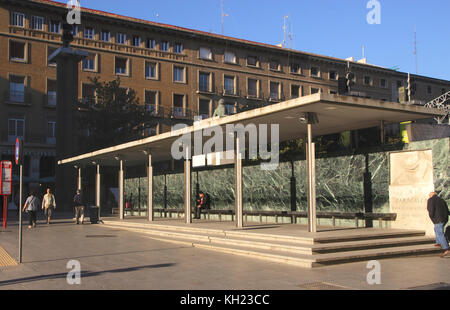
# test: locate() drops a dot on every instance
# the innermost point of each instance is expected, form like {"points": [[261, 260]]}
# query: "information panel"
{"points": [[5, 178]]}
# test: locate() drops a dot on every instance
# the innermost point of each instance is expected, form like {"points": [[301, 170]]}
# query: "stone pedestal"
{"points": [[411, 180]]}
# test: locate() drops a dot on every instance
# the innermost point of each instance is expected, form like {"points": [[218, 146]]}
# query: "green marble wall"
{"points": [[339, 183]]}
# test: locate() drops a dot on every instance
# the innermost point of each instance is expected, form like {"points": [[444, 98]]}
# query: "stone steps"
{"points": [[298, 251]]}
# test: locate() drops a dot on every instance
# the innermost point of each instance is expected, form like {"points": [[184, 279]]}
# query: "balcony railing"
{"points": [[17, 97], [181, 113]]}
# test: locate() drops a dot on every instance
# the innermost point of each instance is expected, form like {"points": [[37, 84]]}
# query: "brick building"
{"points": [[178, 73]]}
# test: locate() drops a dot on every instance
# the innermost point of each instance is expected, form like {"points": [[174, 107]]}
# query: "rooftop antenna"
{"points": [[291, 36], [284, 30], [363, 52], [415, 49], [223, 14]]}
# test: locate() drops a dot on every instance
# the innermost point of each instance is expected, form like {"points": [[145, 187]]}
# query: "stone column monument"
{"points": [[67, 61]]}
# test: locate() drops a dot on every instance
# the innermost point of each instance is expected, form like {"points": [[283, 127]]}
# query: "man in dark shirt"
{"points": [[79, 207], [438, 211]]}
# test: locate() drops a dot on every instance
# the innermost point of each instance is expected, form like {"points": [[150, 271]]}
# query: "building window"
{"points": [[105, 36], [315, 90], [37, 23], [178, 48], [429, 91], [274, 65], [17, 51], [179, 74], [229, 85], [367, 80], [164, 46], [274, 90], [136, 41], [54, 26], [253, 88], [151, 131], [203, 108], [383, 83], [150, 43], [333, 75], [315, 72], [230, 57], [151, 70], [50, 51], [252, 61], [17, 89], [205, 53], [178, 105], [17, 19], [88, 93], [121, 38], [150, 97], [16, 128], [51, 93], [75, 30], [121, 66], [204, 84], [89, 62], [295, 91], [51, 132], [295, 68], [89, 33], [229, 108]]}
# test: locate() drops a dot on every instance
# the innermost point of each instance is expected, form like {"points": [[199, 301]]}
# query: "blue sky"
{"points": [[336, 28]]}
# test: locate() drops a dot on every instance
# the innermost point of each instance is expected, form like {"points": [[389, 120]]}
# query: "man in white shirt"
{"points": [[48, 204]]}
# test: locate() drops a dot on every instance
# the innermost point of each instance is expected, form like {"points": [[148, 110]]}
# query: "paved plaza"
{"points": [[113, 259]]}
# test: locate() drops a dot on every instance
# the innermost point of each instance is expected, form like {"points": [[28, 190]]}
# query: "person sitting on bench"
{"points": [[199, 204]]}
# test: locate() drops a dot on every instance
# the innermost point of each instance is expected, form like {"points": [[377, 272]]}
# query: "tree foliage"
{"points": [[114, 117]]}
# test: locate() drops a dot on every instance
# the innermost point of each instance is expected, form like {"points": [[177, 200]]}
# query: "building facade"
{"points": [[177, 73]]}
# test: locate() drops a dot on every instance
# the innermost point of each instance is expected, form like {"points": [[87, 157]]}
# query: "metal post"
{"points": [[20, 214], [312, 227], [187, 187], [98, 190], [238, 184], [382, 133], [150, 189], [121, 198]]}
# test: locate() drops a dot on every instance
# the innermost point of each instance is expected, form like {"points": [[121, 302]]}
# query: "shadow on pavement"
{"points": [[84, 274], [106, 254]]}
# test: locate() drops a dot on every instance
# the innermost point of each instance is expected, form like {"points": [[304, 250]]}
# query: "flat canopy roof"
{"points": [[336, 114]]}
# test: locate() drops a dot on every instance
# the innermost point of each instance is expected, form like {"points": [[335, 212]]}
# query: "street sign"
{"points": [[18, 152], [5, 178]]}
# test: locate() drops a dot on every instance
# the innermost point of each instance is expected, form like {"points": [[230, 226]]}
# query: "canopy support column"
{"points": [[187, 186], [311, 182], [79, 184], [238, 184], [98, 190], [150, 189], [121, 196]]}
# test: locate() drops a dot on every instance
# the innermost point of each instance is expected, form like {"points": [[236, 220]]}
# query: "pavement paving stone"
{"points": [[122, 260]]}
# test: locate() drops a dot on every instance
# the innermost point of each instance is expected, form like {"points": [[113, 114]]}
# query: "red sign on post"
{"points": [[5, 178]]}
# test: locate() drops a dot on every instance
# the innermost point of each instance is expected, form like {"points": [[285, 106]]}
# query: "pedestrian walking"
{"points": [[48, 205], [438, 212], [79, 207], [31, 206]]}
